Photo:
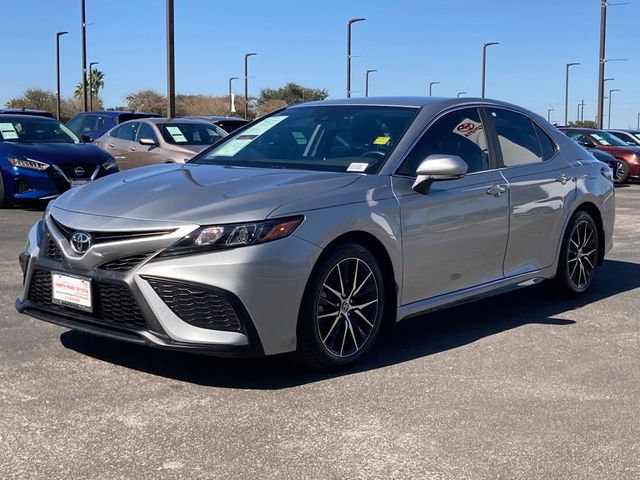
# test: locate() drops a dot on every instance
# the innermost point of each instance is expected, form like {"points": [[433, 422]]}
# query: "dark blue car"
{"points": [[40, 158], [91, 125]]}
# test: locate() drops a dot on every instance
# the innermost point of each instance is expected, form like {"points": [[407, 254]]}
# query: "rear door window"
{"points": [[517, 138], [127, 131]]}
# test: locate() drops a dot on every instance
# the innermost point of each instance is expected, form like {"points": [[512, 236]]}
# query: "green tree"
{"points": [[583, 124], [148, 101], [292, 93], [94, 83], [36, 98]]}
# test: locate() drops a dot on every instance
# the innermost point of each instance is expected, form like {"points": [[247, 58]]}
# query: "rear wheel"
{"points": [[622, 172], [578, 256], [342, 309]]}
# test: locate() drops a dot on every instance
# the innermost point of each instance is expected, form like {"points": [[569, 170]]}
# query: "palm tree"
{"points": [[94, 83]]}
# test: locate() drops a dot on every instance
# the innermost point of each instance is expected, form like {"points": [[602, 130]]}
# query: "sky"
{"points": [[409, 42]]}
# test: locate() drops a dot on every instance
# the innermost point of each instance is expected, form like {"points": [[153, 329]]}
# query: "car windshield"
{"points": [[35, 130], [345, 138], [191, 133], [606, 139]]}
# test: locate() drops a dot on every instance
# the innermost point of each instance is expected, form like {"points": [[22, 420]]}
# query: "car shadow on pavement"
{"points": [[413, 338]]}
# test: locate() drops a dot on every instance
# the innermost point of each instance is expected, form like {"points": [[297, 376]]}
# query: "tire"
{"points": [[332, 331], [622, 172], [578, 256], [3, 200]]}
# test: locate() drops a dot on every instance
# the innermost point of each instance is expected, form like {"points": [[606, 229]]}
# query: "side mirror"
{"points": [[436, 168], [148, 142], [86, 138], [588, 144]]}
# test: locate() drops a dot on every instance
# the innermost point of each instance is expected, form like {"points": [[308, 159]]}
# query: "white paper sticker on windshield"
{"points": [[357, 167], [8, 131], [230, 148], [176, 134]]}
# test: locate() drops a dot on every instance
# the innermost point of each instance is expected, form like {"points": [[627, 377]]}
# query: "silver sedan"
{"points": [[310, 229]]}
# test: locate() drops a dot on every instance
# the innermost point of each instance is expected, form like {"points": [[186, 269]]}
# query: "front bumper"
{"points": [[29, 185], [160, 302]]}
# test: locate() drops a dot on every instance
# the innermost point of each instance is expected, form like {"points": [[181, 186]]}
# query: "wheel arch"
{"points": [[592, 209]]}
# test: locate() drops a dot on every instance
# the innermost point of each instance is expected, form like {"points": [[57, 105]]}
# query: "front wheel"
{"points": [[578, 256], [622, 172], [342, 309]]}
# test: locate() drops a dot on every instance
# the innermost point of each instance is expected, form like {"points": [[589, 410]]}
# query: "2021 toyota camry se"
{"points": [[310, 228]]}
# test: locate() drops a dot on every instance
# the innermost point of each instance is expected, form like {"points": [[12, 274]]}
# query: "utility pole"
{"points": [[171, 65], [366, 82], [484, 64], [58, 35], [246, 83], [84, 54], [350, 22], [566, 93], [91, 64], [231, 79]]}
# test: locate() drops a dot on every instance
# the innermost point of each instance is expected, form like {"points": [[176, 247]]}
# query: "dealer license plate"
{"points": [[71, 291]]}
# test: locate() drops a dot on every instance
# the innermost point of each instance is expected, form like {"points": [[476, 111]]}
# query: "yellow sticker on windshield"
{"points": [[381, 141]]}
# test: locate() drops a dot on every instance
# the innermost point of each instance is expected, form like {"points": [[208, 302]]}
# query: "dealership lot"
{"points": [[518, 386]]}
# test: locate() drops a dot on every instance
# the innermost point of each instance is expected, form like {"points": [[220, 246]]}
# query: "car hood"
{"points": [[57, 153], [199, 194], [615, 150]]}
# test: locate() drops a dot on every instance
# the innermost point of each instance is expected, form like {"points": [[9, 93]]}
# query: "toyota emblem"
{"points": [[79, 171], [80, 242]]}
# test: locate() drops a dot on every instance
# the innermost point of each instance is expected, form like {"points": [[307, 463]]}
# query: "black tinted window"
{"points": [[92, 123], [146, 131], [458, 133], [546, 144], [518, 139], [127, 131], [74, 123]]}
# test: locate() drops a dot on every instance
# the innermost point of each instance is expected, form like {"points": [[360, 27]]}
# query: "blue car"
{"points": [[91, 125], [40, 158]]}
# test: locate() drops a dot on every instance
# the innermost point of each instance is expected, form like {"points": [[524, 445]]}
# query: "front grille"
{"points": [[197, 306], [113, 303], [53, 251], [125, 263], [70, 170], [109, 236]]}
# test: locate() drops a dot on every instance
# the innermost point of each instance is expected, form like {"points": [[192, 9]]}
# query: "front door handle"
{"points": [[496, 190], [132, 149], [562, 178]]}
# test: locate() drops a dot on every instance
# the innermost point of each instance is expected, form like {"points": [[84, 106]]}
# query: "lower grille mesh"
{"points": [[113, 303], [197, 306]]}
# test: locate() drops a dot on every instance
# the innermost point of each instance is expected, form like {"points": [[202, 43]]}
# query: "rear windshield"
{"points": [[191, 133], [35, 130]]}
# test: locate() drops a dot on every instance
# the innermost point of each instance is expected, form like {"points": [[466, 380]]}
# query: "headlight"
{"points": [[635, 158], [24, 162], [110, 164], [216, 237]]}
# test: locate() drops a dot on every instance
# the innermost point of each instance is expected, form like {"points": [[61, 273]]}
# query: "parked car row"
{"points": [[626, 154], [315, 226]]}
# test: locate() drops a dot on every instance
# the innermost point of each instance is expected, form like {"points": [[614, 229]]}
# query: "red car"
{"points": [[628, 156]]}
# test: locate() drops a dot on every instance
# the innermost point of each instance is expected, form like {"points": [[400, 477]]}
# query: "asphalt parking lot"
{"points": [[518, 386]]}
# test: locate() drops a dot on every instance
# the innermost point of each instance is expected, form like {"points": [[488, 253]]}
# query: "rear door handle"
{"points": [[496, 190], [562, 178]]}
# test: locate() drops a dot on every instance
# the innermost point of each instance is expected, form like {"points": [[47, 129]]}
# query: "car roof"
{"points": [[25, 111], [215, 118], [415, 102], [623, 130], [17, 118], [156, 120], [115, 113]]}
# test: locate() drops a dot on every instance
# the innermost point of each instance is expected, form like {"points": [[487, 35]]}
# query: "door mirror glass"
{"points": [[86, 138], [438, 167], [147, 141]]}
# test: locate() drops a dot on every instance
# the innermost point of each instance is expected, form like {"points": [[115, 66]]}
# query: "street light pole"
{"points": [[638, 121], [91, 64], [350, 22], [366, 82], [566, 93], [84, 54], [461, 93], [246, 83], [549, 114], [231, 79], [484, 64], [58, 35], [610, 100], [431, 84], [171, 62]]}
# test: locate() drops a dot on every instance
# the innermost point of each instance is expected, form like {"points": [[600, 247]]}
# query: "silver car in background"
{"points": [[148, 141], [310, 229]]}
